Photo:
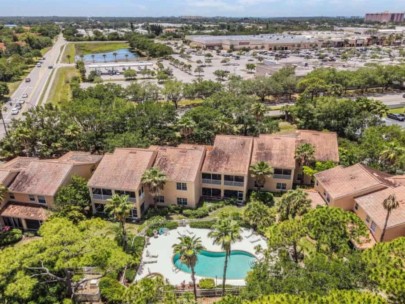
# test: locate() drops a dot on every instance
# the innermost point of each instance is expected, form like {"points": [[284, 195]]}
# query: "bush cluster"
{"points": [[207, 283], [10, 237], [203, 224]]}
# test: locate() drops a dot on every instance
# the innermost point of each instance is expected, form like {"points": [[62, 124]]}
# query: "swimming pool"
{"points": [[211, 264]]}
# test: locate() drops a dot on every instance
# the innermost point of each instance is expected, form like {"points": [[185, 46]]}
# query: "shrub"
{"points": [[207, 283], [10, 237], [130, 275], [111, 290], [266, 198], [202, 224], [197, 213]]}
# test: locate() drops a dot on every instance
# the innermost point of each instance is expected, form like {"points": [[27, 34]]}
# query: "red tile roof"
{"points": [[325, 144], [25, 211]]}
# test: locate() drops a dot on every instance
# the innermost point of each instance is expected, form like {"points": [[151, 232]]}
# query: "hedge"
{"points": [[206, 283], [202, 224], [10, 237]]}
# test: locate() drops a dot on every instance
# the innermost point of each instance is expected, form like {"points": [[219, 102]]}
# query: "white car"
{"points": [[18, 106], [38, 65], [21, 101], [25, 95], [15, 111]]}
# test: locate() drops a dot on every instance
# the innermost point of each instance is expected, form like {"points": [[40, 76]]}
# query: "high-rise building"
{"points": [[384, 17]]}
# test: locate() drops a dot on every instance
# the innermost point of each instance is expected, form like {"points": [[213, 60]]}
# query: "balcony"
{"points": [[281, 176], [211, 181], [101, 197], [132, 199], [233, 183]]}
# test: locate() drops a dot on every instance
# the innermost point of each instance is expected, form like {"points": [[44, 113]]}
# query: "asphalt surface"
{"points": [[39, 78]]}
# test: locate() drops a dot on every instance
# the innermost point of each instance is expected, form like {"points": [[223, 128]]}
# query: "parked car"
{"points": [[21, 101], [24, 95], [399, 117], [27, 79], [38, 65], [15, 111], [50, 67], [18, 106]]}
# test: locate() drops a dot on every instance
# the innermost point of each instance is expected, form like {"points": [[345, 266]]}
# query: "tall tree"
{"points": [[154, 180], [188, 248], [119, 207], [293, 203], [260, 171], [173, 91], [259, 216], [389, 204], [225, 232]]}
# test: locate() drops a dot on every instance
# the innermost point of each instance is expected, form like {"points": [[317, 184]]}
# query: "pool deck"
{"points": [[160, 259]]}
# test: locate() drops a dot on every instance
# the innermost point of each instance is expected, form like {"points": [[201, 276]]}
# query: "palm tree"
{"points": [[292, 204], [258, 110], [119, 207], [92, 56], [225, 232], [188, 249], [104, 56], [68, 57], [3, 191], [304, 155], [155, 180], [186, 126], [115, 56], [260, 171], [389, 204], [391, 154]]}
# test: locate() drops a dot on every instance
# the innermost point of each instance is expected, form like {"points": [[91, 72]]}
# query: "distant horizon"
{"points": [[200, 8]]}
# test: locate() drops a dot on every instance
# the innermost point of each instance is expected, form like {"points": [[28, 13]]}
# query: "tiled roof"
{"points": [[278, 151], [41, 178], [25, 211], [231, 154], [325, 144], [340, 181], [122, 170], [315, 197], [18, 163], [179, 164], [373, 205], [77, 157], [6, 176]]}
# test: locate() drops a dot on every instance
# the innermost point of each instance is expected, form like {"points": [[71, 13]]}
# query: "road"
{"points": [[34, 89]]}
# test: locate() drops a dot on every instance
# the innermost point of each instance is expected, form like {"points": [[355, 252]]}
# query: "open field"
{"points": [[90, 48], [60, 91], [69, 50], [397, 111]]}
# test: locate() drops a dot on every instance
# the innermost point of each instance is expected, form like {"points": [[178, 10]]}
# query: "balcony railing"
{"points": [[132, 199], [281, 176], [211, 181], [233, 183], [101, 197]]}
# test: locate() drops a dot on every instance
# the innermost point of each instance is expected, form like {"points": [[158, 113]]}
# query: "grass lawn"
{"points": [[91, 48], [60, 91], [397, 111], [226, 209], [286, 127], [69, 50]]}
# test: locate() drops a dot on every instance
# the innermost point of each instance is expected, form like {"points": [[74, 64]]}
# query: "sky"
{"points": [[231, 8]]}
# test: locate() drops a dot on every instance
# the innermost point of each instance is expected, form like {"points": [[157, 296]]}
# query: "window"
{"points": [[181, 201], [32, 198], [209, 178], [133, 213], [367, 219], [282, 173], [373, 226], [281, 186], [41, 200], [160, 199], [233, 194], [107, 192], [356, 206], [131, 194], [181, 186], [211, 192], [12, 196]]}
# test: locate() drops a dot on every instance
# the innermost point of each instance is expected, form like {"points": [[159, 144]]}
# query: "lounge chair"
{"points": [[150, 261], [255, 240]]}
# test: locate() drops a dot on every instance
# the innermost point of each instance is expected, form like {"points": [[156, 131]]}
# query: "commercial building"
{"points": [[32, 185], [362, 190], [384, 17]]}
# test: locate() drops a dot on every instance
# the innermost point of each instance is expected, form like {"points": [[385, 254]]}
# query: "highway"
{"points": [[34, 89]]}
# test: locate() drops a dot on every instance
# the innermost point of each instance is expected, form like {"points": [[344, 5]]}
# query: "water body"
{"points": [[121, 55], [211, 264]]}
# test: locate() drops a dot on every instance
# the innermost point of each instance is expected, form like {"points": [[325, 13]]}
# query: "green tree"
{"points": [[221, 74], [305, 154], [250, 67], [129, 74], [389, 204], [154, 180], [188, 248], [173, 91], [259, 216], [186, 126], [3, 90], [260, 171], [333, 229], [225, 232], [119, 208], [76, 193], [293, 203], [287, 234], [52, 266]]}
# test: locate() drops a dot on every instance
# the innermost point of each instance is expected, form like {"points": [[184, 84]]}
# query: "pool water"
{"points": [[109, 56], [211, 264]]}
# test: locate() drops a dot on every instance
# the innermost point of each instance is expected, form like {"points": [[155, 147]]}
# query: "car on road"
{"points": [[50, 67], [27, 79], [15, 111], [21, 101], [399, 117], [38, 65], [18, 106], [24, 95]]}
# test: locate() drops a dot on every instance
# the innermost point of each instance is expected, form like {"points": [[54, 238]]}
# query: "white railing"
{"points": [[211, 181]]}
